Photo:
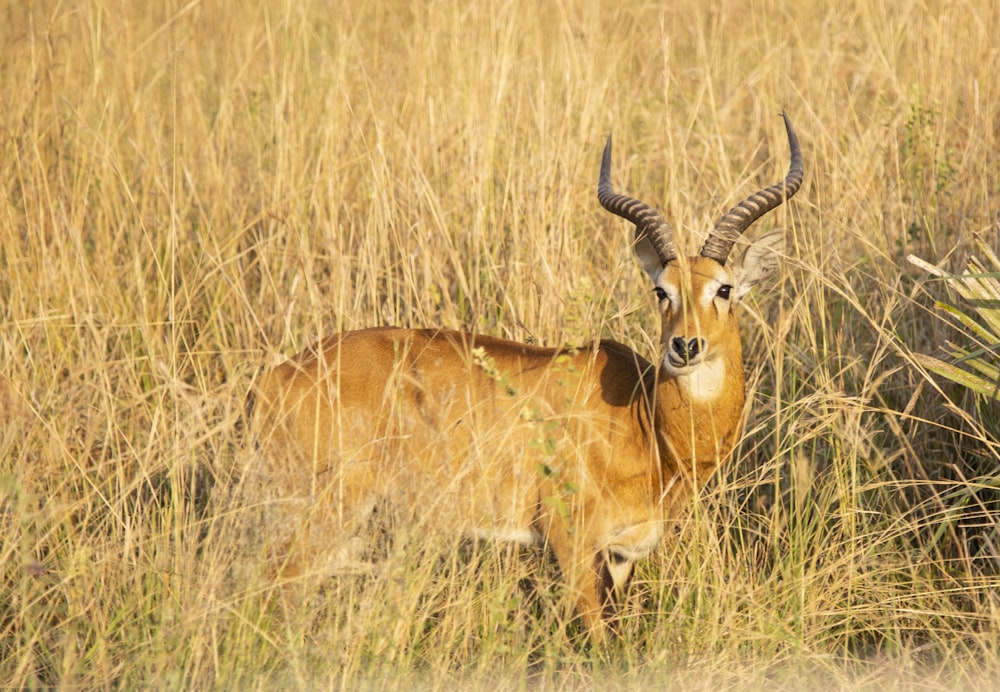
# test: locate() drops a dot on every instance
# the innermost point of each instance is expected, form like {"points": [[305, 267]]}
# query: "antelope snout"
{"points": [[687, 350]]}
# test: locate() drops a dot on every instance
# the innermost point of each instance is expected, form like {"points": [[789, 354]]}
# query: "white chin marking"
{"points": [[703, 380]]}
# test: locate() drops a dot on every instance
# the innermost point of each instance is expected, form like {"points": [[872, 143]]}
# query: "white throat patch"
{"points": [[705, 380]]}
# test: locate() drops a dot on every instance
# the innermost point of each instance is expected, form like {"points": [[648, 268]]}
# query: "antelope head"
{"points": [[696, 294]]}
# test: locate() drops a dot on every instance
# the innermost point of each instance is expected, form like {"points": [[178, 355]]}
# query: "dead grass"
{"points": [[191, 190]]}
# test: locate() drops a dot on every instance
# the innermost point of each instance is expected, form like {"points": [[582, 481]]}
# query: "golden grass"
{"points": [[191, 189]]}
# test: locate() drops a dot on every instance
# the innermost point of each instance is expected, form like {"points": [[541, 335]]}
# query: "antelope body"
{"points": [[587, 449]]}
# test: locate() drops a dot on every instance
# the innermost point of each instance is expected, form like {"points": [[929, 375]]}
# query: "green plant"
{"points": [[975, 364]]}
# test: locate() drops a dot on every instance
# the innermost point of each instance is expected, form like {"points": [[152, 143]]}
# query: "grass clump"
{"points": [[975, 365], [190, 193]]}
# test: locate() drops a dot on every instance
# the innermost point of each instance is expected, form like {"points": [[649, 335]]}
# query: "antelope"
{"points": [[586, 450]]}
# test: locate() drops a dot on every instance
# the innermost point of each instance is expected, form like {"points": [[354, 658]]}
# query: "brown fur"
{"points": [[589, 450], [417, 418]]}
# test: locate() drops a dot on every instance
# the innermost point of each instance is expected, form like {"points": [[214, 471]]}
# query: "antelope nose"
{"points": [[687, 349]]}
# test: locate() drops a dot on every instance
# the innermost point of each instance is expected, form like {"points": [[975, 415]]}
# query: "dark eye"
{"points": [[723, 291], [660, 293]]}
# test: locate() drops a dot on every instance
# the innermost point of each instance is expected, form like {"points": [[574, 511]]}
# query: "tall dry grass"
{"points": [[192, 188]]}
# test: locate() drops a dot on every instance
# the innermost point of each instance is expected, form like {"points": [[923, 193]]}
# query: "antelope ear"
{"points": [[648, 257], [759, 262]]}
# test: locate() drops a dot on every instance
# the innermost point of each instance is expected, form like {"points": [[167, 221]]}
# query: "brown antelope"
{"points": [[587, 450]]}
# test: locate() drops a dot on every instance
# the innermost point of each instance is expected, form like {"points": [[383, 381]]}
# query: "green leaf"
{"points": [[979, 385]]}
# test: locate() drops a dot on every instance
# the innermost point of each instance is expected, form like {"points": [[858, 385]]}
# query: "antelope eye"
{"points": [[660, 293], [723, 291]]}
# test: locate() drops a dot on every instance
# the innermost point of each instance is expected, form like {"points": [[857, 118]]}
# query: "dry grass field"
{"points": [[192, 190]]}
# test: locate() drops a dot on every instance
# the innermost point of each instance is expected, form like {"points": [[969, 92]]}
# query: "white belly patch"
{"points": [[505, 535]]}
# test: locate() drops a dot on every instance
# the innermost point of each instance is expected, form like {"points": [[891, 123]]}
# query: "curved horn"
{"points": [[648, 222], [738, 219]]}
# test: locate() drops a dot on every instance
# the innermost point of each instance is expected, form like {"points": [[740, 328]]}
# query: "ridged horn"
{"points": [[648, 222], [738, 219]]}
